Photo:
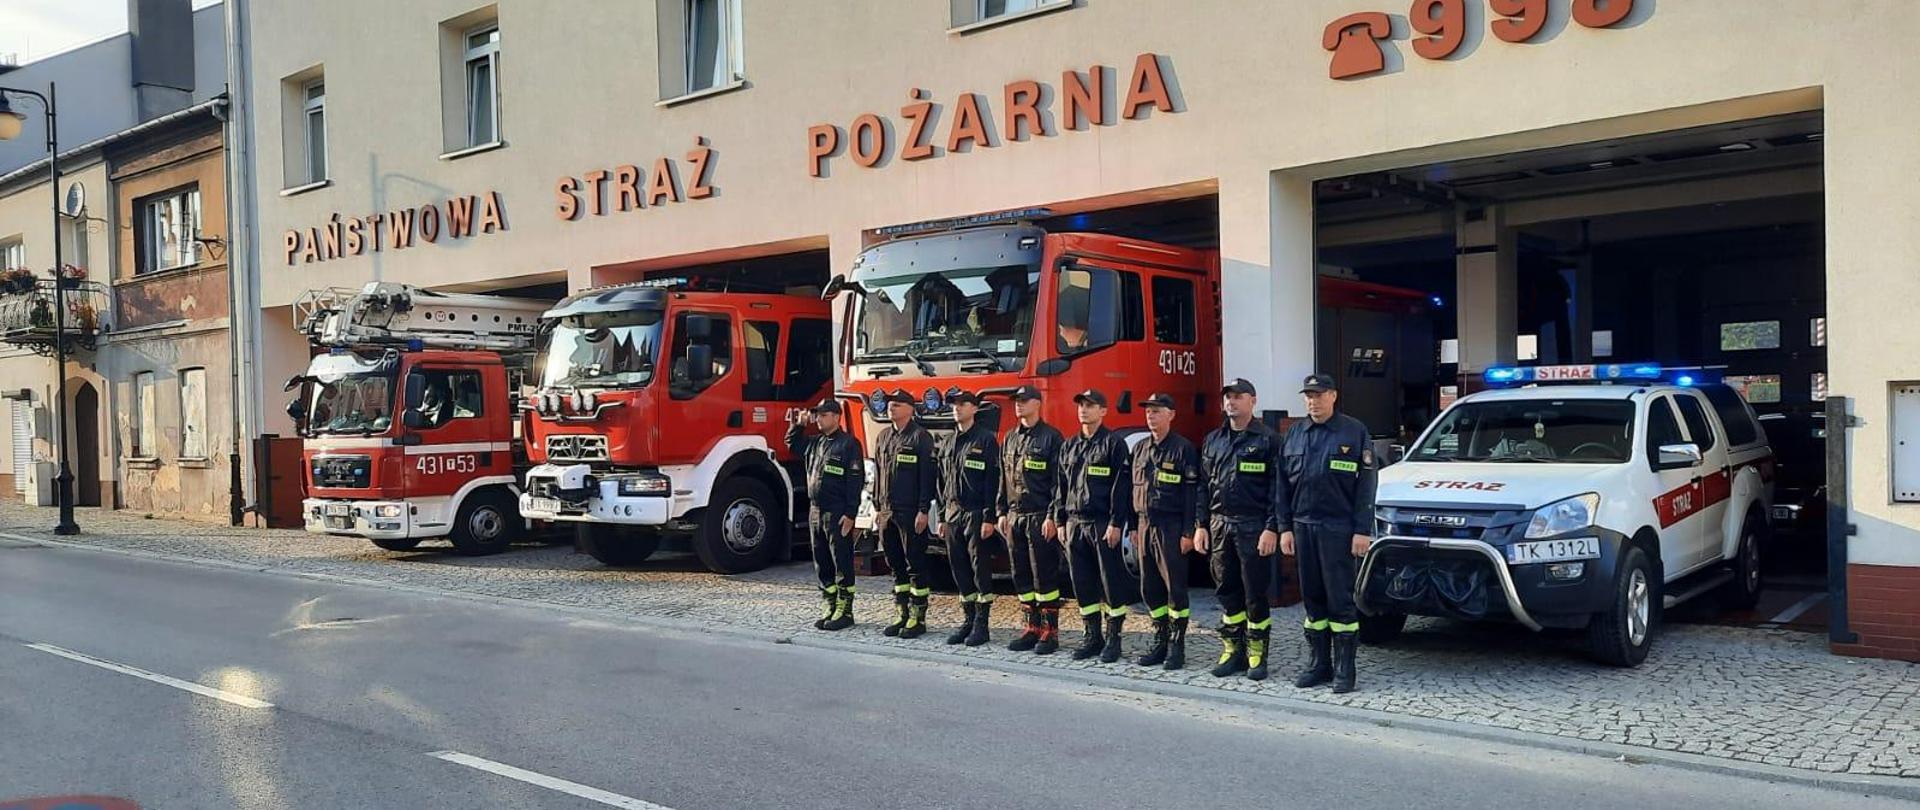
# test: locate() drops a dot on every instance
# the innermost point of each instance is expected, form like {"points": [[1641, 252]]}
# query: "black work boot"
{"points": [[1257, 654], [1049, 631], [899, 601], [842, 617], [960, 633], [982, 624], [1116, 642], [916, 625], [1094, 642], [1343, 674], [1177, 645], [1027, 640], [1320, 666], [827, 603], [1158, 655], [1233, 652]]}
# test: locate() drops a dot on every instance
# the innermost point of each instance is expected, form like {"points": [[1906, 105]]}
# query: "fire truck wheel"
{"points": [[741, 529], [1621, 635], [1743, 591], [616, 546], [486, 524], [1383, 628], [396, 543]]}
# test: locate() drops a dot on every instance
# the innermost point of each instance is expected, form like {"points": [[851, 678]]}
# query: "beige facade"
{"points": [[1255, 119]]}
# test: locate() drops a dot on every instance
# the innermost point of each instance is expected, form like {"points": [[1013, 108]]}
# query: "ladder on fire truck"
{"points": [[390, 314]]}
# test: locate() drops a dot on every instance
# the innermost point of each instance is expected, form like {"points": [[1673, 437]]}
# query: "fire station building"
{"points": [[1624, 180]]}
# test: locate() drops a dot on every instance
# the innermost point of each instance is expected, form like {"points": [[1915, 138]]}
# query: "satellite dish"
{"points": [[76, 199]]}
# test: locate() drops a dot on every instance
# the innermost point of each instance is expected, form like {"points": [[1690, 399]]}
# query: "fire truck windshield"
{"points": [[604, 350], [977, 313], [351, 393], [1590, 431]]}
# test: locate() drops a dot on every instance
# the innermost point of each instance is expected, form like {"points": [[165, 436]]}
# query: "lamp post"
{"points": [[10, 125]]}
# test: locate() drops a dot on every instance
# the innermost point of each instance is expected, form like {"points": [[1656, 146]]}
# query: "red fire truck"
{"points": [[409, 413], [660, 420]]}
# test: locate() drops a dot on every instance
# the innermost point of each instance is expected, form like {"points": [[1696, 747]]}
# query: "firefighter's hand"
{"points": [[1286, 543], [1268, 540], [1048, 529], [920, 522], [986, 529], [1360, 544], [1200, 537], [846, 525], [1006, 525], [1186, 546], [1113, 536], [881, 518]]}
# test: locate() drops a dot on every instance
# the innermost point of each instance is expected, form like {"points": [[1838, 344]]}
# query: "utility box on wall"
{"points": [[39, 489], [1906, 442]]}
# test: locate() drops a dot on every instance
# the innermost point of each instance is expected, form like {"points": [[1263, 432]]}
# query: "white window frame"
{"points": [[193, 413], [728, 48], [487, 52], [315, 104], [143, 422], [13, 254], [980, 8], [186, 250]]}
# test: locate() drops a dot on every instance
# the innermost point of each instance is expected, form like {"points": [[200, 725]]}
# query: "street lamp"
{"points": [[11, 123]]}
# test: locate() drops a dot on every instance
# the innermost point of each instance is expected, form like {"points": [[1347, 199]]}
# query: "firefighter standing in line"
{"points": [[1029, 466], [1239, 527], [1327, 502], [1093, 506], [1165, 472], [835, 477], [969, 488], [903, 486]]}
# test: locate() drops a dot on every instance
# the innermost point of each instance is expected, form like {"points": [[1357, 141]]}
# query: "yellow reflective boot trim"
{"points": [[1049, 596], [902, 588], [1159, 612], [1344, 627], [830, 589], [1316, 625], [1256, 652], [1261, 625], [1116, 611], [1228, 646], [1089, 610], [1234, 619], [1029, 596], [969, 597], [847, 589], [1181, 613], [922, 591], [983, 599]]}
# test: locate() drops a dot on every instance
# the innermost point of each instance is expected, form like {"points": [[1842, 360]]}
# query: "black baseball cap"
{"points": [[1158, 401], [1092, 396], [1025, 392], [1238, 385], [901, 395], [1315, 383], [956, 396], [828, 405]]}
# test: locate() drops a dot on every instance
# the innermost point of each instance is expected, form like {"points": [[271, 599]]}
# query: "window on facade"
{"points": [[719, 338], [483, 85], [997, 8], [143, 423], [13, 254], [441, 396], [809, 358], [1697, 425], [1749, 335], [165, 227], [314, 119], [713, 43], [193, 413], [763, 350], [1173, 315]]}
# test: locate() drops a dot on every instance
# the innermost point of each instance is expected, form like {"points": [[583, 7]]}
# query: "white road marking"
{"points": [[548, 782], [1794, 610], [187, 686]]}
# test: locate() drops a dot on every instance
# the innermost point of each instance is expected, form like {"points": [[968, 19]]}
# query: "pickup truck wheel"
{"points": [[1621, 635], [741, 529], [487, 523], [615, 546], [1383, 628], [1743, 591], [396, 543]]}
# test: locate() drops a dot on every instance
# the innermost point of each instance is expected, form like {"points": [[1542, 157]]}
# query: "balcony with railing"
{"points": [[27, 309]]}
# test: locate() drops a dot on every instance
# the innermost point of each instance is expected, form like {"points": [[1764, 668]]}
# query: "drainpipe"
{"points": [[243, 311]]}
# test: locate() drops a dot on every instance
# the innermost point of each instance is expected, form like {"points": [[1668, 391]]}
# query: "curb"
{"points": [[1883, 786]]}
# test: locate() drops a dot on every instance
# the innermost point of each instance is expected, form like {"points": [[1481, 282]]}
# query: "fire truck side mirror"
{"points": [[699, 328], [699, 363], [414, 420], [296, 410]]}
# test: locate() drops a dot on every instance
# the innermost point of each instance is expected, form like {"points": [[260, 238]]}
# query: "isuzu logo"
{"points": [[1451, 521]]}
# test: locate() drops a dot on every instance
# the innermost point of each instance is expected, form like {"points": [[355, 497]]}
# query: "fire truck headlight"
{"points": [[577, 401], [591, 400], [387, 510], [1560, 517]]}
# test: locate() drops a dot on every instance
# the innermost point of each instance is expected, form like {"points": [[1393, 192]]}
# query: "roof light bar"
{"points": [[1589, 372], [953, 223]]}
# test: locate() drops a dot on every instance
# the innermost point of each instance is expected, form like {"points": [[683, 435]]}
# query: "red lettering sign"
{"points": [[1359, 41]]}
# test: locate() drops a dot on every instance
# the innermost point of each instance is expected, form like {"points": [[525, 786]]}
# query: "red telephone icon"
{"points": [[1354, 40]]}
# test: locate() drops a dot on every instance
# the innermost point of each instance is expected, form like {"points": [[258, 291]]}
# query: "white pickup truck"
{"points": [[1588, 506]]}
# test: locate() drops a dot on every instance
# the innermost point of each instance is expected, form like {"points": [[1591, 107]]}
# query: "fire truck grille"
{"points": [[352, 472], [576, 447]]}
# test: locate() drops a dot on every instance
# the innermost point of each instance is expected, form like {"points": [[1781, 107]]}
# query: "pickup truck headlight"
{"points": [[1560, 517], [646, 484]]}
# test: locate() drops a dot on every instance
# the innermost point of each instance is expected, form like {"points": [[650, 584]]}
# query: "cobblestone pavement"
{"points": [[1765, 696]]}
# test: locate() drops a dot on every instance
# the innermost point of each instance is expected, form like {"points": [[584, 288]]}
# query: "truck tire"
{"points": [[396, 543], [1375, 630], [616, 546], [1743, 591], [742, 527], [1621, 635], [487, 523]]}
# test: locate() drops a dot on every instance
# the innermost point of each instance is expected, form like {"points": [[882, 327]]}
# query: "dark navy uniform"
{"points": [[1166, 477], [1092, 499], [836, 475], [1328, 498], [969, 489], [904, 486], [1030, 474], [1241, 497]]}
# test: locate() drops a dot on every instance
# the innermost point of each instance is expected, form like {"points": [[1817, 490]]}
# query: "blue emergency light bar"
{"points": [[1589, 372]]}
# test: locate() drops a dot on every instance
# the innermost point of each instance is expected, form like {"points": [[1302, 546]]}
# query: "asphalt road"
{"points": [[393, 699]]}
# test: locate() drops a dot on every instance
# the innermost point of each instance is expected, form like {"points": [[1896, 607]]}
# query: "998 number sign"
{"points": [[1440, 28]]}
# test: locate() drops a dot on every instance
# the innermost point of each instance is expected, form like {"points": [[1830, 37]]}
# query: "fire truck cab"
{"points": [[660, 418], [408, 416]]}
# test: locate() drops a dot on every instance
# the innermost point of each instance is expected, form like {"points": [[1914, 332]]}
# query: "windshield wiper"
{"points": [[900, 353], [975, 351]]}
